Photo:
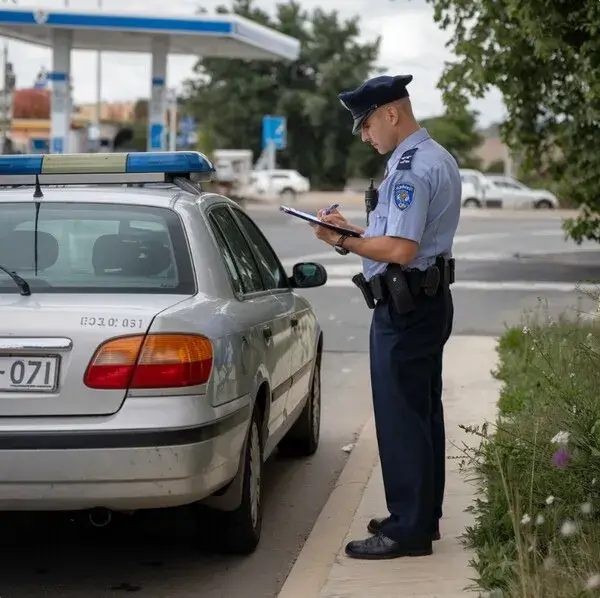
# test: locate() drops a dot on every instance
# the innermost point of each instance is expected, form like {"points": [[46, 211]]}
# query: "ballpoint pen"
{"points": [[331, 208]]}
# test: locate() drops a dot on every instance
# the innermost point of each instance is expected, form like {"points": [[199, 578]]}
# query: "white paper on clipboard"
{"points": [[311, 218]]}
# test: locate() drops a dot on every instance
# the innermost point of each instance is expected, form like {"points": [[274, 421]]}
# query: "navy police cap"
{"points": [[376, 92]]}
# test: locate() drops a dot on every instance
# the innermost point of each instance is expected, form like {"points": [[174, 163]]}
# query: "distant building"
{"points": [[492, 149]]}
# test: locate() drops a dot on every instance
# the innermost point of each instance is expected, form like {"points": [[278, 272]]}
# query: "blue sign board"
{"points": [[156, 136], [274, 131], [58, 145]]}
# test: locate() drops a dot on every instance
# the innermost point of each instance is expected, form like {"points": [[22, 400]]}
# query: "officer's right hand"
{"points": [[334, 217]]}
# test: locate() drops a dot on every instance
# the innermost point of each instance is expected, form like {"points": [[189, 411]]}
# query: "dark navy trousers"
{"points": [[406, 380]]}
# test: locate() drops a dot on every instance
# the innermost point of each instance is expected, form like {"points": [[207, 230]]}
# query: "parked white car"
{"points": [[474, 187], [507, 192], [275, 185]]}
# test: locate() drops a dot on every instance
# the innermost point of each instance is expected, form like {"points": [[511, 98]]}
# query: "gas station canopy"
{"points": [[227, 36], [224, 36]]}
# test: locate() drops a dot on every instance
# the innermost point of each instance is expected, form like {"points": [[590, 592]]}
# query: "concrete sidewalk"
{"points": [[322, 570]]}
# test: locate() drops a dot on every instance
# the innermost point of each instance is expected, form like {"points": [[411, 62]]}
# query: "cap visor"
{"points": [[359, 120]]}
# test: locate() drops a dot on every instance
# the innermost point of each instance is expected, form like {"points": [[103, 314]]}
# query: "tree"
{"points": [[543, 56], [457, 132], [230, 97]]}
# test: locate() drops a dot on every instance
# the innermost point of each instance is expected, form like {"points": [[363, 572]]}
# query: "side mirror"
{"points": [[306, 275]]}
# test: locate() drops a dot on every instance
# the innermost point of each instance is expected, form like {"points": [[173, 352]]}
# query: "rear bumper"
{"points": [[119, 469]]}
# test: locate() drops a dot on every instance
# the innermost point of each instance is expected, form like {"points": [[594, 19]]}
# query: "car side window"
{"points": [[234, 275], [240, 250], [270, 266]]}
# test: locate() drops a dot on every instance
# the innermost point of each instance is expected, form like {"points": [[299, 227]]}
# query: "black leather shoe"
{"points": [[375, 525], [380, 547]]}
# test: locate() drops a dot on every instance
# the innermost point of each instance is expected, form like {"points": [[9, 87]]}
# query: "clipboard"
{"points": [[310, 218]]}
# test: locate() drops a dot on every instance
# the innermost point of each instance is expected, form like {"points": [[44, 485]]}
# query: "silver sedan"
{"points": [[153, 353]]}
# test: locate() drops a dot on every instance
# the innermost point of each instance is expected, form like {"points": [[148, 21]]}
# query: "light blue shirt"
{"points": [[420, 201]]}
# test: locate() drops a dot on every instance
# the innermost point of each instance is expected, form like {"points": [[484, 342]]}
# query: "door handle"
{"points": [[267, 333], [294, 322]]}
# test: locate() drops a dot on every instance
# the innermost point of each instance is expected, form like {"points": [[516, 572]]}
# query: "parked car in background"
{"points": [[508, 192], [474, 187], [277, 185], [153, 350]]}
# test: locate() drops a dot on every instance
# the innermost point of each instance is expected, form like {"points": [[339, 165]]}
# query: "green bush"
{"points": [[536, 531]]}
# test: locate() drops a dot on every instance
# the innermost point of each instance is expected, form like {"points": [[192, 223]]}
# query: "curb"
{"points": [[313, 565]]}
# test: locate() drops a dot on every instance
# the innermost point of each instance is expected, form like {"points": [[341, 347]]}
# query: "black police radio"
{"points": [[371, 199]]}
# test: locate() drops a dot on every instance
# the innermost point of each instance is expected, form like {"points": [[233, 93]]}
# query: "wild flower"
{"points": [[561, 438], [568, 528], [593, 582], [525, 519], [561, 458], [550, 500]]}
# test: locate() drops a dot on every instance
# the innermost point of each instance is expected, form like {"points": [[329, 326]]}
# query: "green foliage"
{"points": [[536, 531], [543, 56]]}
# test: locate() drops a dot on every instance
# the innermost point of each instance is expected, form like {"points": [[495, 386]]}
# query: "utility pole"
{"points": [[98, 118], [7, 94]]}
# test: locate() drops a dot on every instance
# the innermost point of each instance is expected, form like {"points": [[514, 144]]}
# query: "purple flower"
{"points": [[561, 458]]}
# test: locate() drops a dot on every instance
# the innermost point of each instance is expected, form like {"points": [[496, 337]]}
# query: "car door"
{"points": [[263, 314], [301, 344]]}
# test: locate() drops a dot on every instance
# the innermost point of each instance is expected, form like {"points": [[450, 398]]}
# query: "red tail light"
{"points": [[153, 361]]}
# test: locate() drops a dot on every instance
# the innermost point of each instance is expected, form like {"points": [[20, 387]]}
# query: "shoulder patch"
{"points": [[404, 194], [406, 159]]}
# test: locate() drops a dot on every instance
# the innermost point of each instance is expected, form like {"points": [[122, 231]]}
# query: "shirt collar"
{"points": [[411, 141]]}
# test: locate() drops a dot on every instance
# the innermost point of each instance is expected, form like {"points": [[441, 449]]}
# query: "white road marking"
{"points": [[481, 285]]}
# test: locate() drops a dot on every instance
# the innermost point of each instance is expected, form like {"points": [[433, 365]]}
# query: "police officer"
{"points": [[407, 267]]}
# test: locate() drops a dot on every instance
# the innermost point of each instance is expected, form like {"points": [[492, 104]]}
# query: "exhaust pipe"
{"points": [[100, 517]]}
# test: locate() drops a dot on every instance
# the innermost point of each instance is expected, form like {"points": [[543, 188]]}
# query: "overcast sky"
{"points": [[411, 43]]}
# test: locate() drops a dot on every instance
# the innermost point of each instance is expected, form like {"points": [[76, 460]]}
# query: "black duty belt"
{"points": [[402, 285]]}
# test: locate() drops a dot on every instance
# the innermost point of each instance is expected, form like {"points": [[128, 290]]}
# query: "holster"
{"points": [[398, 289], [361, 282]]}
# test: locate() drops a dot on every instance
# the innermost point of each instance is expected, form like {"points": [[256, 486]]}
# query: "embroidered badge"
{"points": [[404, 194]]}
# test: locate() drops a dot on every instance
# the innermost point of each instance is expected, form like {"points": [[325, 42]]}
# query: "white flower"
{"points": [[586, 508], [593, 582], [572, 375], [539, 519], [550, 500], [568, 528], [561, 438], [526, 330], [525, 519], [593, 481]]}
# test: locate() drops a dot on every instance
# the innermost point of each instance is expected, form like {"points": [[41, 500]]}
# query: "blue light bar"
{"points": [[118, 164], [168, 162]]}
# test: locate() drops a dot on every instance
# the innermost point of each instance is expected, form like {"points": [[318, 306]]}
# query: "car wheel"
{"points": [[238, 532], [303, 438], [543, 204], [471, 203], [288, 195]]}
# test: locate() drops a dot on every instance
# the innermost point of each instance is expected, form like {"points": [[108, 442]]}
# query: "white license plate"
{"points": [[28, 374]]}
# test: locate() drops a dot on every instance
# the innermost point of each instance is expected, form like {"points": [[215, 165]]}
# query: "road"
{"points": [[504, 265]]}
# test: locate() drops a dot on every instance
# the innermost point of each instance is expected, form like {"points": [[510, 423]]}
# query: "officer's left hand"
{"points": [[326, 234]]}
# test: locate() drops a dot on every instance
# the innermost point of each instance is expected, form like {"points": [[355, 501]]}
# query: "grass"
{"points": [[536, 531]]}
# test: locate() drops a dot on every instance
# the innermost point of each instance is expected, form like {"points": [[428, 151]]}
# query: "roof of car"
{"points": [[159, 195]]}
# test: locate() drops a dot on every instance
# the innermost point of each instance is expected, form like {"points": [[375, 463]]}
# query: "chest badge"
{"points": [[404, 194]]}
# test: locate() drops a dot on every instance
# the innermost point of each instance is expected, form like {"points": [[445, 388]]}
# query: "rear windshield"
{"points": [[94, 248]]}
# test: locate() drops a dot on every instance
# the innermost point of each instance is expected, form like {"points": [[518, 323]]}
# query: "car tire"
{"points": [[288, 195], [303, 438], [471, 202], [543, 204], [239, 531]]}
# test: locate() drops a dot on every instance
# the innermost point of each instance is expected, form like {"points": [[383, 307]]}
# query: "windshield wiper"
{"points": [[20, 282]]}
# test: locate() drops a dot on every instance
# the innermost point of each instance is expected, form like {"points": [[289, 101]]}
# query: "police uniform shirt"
{"points": [[419, 199]]}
